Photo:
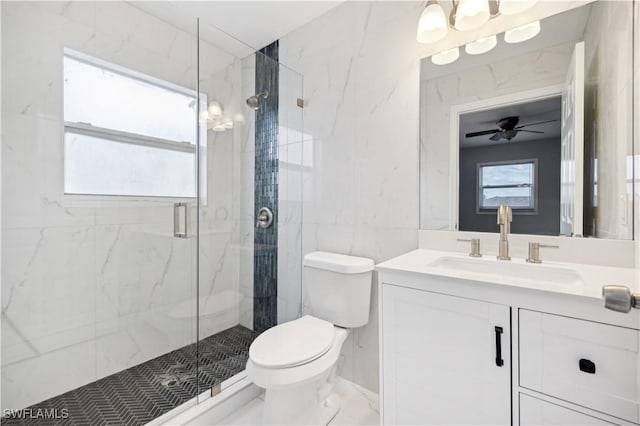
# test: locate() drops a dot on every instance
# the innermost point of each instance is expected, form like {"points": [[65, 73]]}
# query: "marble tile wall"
{"points": [[360, 181], [90, 287]]}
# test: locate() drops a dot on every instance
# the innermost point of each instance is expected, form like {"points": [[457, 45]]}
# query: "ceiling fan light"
{"points": [[432, 26], [522, 33], [512, 7], [482, 45], [446, 57], [471, 14]]}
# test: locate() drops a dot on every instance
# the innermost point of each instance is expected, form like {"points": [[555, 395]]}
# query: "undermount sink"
{"points": [[511, 269]]}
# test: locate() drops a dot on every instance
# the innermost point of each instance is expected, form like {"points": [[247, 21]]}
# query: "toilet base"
{"points": [[306, 404]]}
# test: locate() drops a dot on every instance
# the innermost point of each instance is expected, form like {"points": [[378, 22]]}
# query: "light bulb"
{"points": [[432, 25], [215, 109], [482, 45], [512, 7], [471, 14], [522, 33], [446, 57]]}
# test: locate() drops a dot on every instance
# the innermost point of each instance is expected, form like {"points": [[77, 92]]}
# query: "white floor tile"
{"points": [[359, 407]]}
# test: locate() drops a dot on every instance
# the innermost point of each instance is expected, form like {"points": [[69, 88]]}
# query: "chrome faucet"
{"points": [[505, 217]]}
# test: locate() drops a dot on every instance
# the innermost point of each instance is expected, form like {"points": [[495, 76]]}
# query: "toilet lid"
{"points": [[292, 343]]}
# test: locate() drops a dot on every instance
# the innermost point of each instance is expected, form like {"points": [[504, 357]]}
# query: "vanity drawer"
{"points": [[590, 364], [534, 411]]}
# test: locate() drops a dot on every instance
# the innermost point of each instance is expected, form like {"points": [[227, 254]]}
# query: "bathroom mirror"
{"points": [[543, 125]]}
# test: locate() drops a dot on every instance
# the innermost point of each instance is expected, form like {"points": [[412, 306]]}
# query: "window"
{"points": [[127, 133], [512, 184]]}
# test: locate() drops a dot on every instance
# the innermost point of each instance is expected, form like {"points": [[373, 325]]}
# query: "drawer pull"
{"points": [[499, 360], [587, 366]]}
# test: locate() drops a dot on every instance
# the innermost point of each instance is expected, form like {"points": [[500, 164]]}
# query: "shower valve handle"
{"points": [[265, 218]]}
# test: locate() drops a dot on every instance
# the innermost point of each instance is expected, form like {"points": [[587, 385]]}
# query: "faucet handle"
{"points": [[475, 246], [534, 251]]}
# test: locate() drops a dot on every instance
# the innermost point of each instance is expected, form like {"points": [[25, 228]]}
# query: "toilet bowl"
{"points": [[299, 386], [295, 362]]}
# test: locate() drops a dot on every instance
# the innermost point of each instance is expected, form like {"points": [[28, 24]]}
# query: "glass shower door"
{"points": [[146, 226], [99, 155]]}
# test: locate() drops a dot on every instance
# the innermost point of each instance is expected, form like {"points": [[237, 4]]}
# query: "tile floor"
{"points": [[359, 407]]}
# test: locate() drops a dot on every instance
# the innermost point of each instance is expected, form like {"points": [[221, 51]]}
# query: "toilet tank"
{"points": [[338, 288]]}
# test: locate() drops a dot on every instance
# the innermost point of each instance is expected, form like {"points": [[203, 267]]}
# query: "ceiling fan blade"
{"points": [[497, 136], [534, 124], [530, 131], [482, 133]]}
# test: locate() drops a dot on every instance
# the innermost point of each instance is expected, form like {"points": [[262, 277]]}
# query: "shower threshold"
{"points": [[141, 393]]}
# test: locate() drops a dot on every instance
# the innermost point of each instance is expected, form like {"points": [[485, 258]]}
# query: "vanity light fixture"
{"points": [[471, 14], [512, 7], [522, 33], [446, 57], [482, 45], [466, 15], [432, 26]]}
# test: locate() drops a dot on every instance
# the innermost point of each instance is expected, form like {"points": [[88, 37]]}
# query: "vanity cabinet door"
{"points": [[445, 359]]}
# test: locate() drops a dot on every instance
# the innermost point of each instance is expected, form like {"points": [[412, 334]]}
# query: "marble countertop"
{"points": [[589, 284]]}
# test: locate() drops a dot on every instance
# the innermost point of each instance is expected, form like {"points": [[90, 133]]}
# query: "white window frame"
{"points": [[516, 210], [87, 129]]}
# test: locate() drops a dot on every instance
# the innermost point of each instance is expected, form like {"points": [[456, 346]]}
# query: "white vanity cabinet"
{"points": [[446, 359], [464, 349]]}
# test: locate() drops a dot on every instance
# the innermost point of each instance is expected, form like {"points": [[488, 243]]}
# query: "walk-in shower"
{"points": [[129, 209]]}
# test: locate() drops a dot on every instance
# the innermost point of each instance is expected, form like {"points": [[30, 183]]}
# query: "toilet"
{"points": [[295, 362]]}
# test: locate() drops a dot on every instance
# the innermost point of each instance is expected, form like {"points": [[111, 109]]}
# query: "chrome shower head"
{"points": [[254, 101]]}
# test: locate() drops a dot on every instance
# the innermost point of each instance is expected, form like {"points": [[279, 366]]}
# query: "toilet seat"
{"points": [[293, 343]]}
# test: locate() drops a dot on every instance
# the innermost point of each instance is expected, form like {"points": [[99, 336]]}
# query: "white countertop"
{"points": [[592, 277]]}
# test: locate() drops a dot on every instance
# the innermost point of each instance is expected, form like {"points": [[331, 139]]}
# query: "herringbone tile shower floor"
{"points": [[141, 393]]}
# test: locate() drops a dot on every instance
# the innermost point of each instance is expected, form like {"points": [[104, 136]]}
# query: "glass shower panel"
{"points": [[146, 251], [293, 144], [249, 276], [224, 337], [99, 234]]}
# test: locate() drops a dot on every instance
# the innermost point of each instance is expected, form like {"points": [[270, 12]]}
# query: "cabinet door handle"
{"points": [[587, 366], [499, 360]]}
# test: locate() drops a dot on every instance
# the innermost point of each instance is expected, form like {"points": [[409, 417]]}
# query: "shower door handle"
{"points": [[177, 231]]}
